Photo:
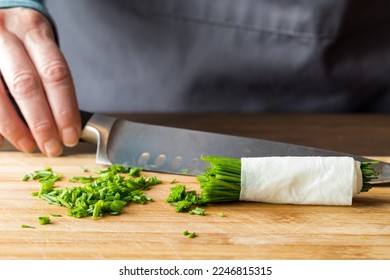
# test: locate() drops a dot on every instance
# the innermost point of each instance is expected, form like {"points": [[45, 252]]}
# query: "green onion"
{"points": [[221, 181]]}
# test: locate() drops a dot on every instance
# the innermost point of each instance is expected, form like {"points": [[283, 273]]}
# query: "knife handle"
{"points": [[85, 117]]}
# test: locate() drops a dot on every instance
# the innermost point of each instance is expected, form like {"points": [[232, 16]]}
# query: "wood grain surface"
{"points": [[154, 230]]}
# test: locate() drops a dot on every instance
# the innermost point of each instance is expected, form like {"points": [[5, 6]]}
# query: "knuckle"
{"points": [[42, 127], [55, 72], [33, 18], [65, 117], [65, 114], [9, 129], [34, 26], [25, 84]]}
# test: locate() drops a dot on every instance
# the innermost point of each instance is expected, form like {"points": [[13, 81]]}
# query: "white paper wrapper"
{"points": [[300, 180]]}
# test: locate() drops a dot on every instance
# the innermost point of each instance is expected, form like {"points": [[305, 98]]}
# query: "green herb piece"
{"points": [[43, 175], [221, 214], [183, 206], [197, 211], [44, 220], [97, 209], [47, 177], [135, 171], [26, 226], [221, 181], [177, 193], [183, 200], [190, 234], [174, 181], [82, 179], [56, 215], [139, 197], [369, 174], [83, 169], [107, 193]]}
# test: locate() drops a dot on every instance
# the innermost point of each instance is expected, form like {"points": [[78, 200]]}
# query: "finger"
{"points": [[25, 86], [11, 127], [57, 82]]}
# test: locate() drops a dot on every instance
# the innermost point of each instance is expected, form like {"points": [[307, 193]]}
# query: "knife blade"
{"points": [[178, 151]]}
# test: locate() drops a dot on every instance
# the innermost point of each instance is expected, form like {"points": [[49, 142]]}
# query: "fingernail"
{"points": [[52, 148], [70, 137], [26, 145]]}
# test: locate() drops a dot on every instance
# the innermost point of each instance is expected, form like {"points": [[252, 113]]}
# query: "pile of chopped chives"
{"points": [[108, 192]]}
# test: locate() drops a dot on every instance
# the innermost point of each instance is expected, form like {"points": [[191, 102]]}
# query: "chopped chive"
{"points": [[189, 234], [26, 226], [183, 200], [135, 171], [192, 235], [197, 211], [44, 220], [56, 215]]}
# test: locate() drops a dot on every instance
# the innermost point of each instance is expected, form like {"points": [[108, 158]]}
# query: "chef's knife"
{"points": [[178, 151]]}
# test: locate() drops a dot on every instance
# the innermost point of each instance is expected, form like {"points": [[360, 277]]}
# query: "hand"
{"points": [[39, 80]]}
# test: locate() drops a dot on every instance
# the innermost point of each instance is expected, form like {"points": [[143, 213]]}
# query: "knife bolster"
{"points": [[97, 131]]}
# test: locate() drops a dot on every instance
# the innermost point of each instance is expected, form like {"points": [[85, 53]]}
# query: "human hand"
{"points": [[40, 81]]}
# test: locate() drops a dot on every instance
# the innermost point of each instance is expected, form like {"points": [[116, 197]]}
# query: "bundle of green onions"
{"points": [[287, 180], [221, 182]]}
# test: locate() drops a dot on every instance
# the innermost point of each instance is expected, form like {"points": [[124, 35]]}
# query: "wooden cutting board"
{"points": [[154, 231]]}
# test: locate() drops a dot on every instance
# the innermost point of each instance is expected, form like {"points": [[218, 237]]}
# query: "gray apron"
{"points": [[227, 55]]}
